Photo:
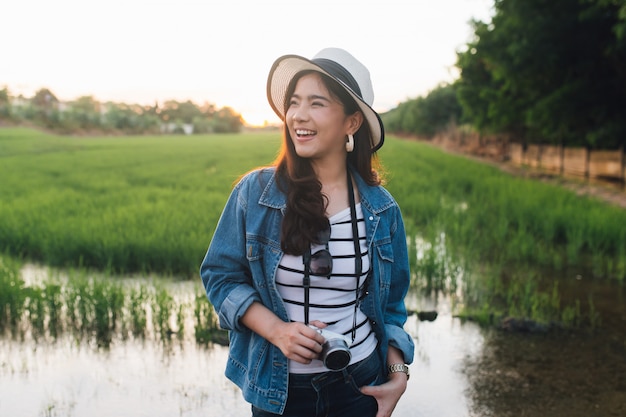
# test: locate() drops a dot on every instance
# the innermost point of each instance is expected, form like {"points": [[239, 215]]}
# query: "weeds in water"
{"points": [[434, 270], [136, 308], [12, 294], [56, 409], [99, 308], [594, 317], [162, 308], [571, 315], [207, 327]]}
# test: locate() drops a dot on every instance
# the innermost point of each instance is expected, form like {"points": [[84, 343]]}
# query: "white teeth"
{"points": [[302, 132]]}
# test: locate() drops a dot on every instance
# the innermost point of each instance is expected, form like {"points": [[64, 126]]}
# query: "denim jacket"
{"points": [[240, 266]]}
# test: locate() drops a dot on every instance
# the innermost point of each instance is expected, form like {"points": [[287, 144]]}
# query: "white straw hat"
{"points": [[338, 65]]}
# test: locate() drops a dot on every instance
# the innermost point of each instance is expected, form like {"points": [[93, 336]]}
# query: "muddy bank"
{"points": [[557, 374]]}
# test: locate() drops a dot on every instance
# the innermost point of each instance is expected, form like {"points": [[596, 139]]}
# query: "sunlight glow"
{"points": [[140, 51]]}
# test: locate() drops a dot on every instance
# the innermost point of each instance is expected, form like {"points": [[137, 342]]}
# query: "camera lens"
{"points": [[336, 355]]}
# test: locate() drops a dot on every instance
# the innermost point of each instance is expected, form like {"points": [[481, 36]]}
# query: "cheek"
{"points": [[289, 115], [289, 122]]}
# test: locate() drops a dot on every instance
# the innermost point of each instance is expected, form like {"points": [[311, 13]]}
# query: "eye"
{"points": [[317, 104]]}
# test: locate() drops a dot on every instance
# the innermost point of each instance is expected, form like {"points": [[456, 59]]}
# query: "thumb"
{"points": [[318, 324], [369, 390]]}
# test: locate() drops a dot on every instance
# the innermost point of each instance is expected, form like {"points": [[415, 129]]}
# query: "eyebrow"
{"points": [[312, 97]]}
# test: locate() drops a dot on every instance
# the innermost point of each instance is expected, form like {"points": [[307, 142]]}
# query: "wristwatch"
{"points": [[399, 367]]}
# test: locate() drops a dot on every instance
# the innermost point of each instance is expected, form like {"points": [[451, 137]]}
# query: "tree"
{"points": [[226, 120], [45, 108], [83, 113], [548, 71], [183, 112], [425, 116], [5, 104]]}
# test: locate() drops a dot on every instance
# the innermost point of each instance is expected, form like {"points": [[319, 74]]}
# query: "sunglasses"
{"points": [[321, 263]]}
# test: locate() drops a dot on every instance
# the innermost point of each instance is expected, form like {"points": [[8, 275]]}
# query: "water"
{"points": [[460, 370], [129, 379], [132, 378]]}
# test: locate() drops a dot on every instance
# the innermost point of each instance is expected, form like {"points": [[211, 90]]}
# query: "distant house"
{"points": [[171, 127]]}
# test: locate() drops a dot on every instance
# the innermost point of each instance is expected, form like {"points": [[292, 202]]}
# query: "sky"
{"points": [[146, 52]]}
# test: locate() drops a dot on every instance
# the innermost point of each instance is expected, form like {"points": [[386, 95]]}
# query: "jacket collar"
{"points": [[374, 199]]}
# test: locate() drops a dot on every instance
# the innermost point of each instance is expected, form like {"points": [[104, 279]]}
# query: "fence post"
{"points": [[623, 165], [561, 159], [587, 162]]}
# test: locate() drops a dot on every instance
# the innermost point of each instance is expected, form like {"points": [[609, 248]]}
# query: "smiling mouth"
{"points": [[305, 133]]}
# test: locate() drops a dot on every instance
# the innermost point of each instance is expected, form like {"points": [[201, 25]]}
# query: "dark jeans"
{"points": [[331, 393]]}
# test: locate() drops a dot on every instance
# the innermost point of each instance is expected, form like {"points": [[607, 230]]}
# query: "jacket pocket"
{"points": [[384, 253], [254, 255]]}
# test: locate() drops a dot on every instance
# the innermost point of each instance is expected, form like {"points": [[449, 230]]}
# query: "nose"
{"points": [[299, 114]]}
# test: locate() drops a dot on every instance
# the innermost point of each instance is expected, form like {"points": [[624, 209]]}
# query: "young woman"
{"points": [[308, 266]]}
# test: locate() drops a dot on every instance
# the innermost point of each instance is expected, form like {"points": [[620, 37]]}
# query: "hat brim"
{"points": [[283, 71]]}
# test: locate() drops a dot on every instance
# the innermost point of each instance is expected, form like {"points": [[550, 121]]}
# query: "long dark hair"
{"points": [[306, 205]]}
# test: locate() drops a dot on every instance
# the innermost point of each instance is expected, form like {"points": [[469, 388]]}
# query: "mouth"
{"points": [[305, 133]]}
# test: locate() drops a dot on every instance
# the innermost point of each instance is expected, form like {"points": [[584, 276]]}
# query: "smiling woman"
{"points": [[331, 339]]}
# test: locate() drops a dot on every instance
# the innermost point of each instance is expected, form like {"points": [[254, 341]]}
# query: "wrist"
{"points": [[398, 368]]}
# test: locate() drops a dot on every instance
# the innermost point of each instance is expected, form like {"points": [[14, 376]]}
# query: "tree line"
{"points": [[540, 72], [87, 115]]}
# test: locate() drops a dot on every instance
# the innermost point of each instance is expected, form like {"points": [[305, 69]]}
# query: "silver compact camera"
{"points": [[335, 350]]}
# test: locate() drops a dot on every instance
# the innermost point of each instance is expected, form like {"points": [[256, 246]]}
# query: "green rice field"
{"points": [[497, 244]]}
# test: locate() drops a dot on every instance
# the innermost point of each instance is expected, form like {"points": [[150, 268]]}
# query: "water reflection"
{"points": [[460, 370], [137, 378], [568, 374], [128, 379]]}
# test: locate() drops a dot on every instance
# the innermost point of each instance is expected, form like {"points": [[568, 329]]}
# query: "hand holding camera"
{"points": [[335, 351]]}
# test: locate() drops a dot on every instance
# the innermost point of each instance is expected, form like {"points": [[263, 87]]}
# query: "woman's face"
{"points": [[316, 121]]}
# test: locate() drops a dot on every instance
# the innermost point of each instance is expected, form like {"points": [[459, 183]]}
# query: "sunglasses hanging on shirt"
{"points": [[321, 262]]}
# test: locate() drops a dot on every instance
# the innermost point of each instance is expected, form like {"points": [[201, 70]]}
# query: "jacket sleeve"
{"points": [[395, 312], [225, 271]]}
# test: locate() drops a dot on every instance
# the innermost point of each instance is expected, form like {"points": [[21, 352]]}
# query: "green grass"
{"points": [[149, 204], [505, 241], [489, 215], [119, 204]]}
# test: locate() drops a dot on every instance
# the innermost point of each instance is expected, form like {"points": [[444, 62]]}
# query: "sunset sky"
{"points": [[140, 51]]}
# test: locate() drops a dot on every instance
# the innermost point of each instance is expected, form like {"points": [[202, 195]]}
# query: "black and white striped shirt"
{"points": [[331, 300]]}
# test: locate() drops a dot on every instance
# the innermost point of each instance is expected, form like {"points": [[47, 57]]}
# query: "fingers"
{"points": [[370, 390], [318, 324], [386, 396], [314, 334], [299, 342]]}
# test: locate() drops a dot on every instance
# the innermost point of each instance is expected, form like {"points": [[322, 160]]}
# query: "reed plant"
{"points": [[12, 294], [99, 308], [136, 308], [162, 309], [207, 326]]}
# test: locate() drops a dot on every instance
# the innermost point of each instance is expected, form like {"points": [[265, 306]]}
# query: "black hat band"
{"points": [[339, 73]]}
